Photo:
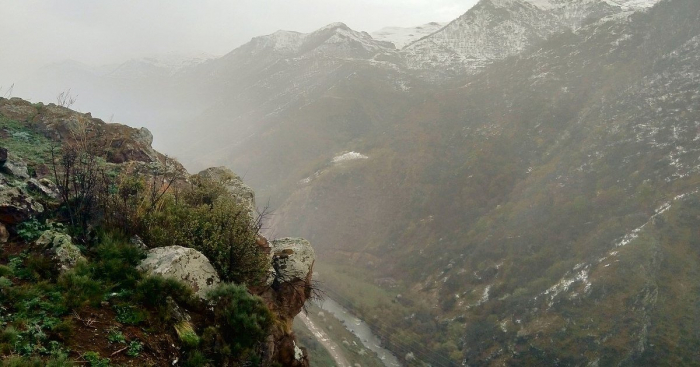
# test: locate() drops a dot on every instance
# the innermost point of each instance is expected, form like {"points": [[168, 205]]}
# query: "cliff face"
{"points": [[285, 293], [32, 138]]}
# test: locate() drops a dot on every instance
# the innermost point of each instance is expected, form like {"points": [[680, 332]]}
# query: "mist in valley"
{"points": [[486, 182]]}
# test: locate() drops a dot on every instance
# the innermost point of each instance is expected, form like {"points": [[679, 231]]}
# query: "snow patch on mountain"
{"points": [[349, 156], [495, 29], [334, 40], [402, 36]]}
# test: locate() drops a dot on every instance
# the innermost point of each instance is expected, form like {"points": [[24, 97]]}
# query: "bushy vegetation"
{"points": [[163, 207], [102, 206], [205, 217], [241, 321]]}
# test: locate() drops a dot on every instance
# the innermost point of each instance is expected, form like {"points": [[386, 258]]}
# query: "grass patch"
{"points": [[22, 141]]}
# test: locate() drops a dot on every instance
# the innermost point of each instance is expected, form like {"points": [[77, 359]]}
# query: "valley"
{"points": [[518, 186]]}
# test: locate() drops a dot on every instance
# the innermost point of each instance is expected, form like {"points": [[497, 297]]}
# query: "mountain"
{"points": [[158, 66], [296, 89], [495, 29], [402, 36], [542, 210], [518, 187]]}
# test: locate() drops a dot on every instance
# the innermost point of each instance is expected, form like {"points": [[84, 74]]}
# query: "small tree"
{"points": [[80, 177]]}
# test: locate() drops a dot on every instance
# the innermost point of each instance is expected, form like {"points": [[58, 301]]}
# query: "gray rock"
{"points": [[138, 242], [16, 205], [292, 259], [44, 186], [234, 184], [61, 249], [144, 137], [16, 168], [182, 263]]}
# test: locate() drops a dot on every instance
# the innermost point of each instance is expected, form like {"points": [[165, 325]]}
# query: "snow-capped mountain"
{"points": [[495, 29], [402, 36], [333, 40], [158, 65]]}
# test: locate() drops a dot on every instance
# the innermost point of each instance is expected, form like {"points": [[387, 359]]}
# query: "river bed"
{"points": [[361, 329]]}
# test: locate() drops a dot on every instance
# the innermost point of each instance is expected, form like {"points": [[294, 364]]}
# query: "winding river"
{"points": [[361, 329]]}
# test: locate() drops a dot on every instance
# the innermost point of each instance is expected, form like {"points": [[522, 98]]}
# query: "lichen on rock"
{"points": [[61, 249], [234, 184], [292, 258], [16, 205], [182, 263]]}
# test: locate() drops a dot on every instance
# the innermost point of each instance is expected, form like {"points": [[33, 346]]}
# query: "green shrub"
{"points": [[187, 335], [129, 314], [115, 262], [63, 330], [5, 283], [135, 348], [41, 267], [32, 229], [152, 291], [115, 336], [196, 358], [80, 288], [210, 220], [5, 271], [10, 336], [242, 320], [94, 359]]}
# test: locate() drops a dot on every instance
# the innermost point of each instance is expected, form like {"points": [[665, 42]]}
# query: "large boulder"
{"points": [[143, 136], [234, 184], [182, 263], [292, 259], [14, 166], [61, 249], [44, 186], [16, 205]]}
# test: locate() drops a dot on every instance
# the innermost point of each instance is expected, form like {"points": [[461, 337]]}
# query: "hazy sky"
{"points": [[35, 32]]}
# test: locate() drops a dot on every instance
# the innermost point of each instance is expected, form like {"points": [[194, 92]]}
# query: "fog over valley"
{"points": [[315, 183]]}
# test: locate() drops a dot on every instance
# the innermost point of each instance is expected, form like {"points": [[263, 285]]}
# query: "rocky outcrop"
{"points": [[61, 249], [14, 167], [17, 109], [235, 186], [292, 259], [288, 288], [16, 205], [121, 143], [182, 263], [43, 186]]}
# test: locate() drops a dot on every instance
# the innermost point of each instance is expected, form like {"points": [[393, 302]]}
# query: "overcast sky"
{"points": [[36, 32]]}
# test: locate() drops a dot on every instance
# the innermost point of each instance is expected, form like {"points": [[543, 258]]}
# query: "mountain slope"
{"points": [[544, 207], [401, 36], [495, 29]]}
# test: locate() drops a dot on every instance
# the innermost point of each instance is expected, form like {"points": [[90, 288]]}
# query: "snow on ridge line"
{"points": [[349, 156]]}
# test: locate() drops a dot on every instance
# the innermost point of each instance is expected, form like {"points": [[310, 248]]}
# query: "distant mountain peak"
{"points": [[335, 25], [332, 40]]}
